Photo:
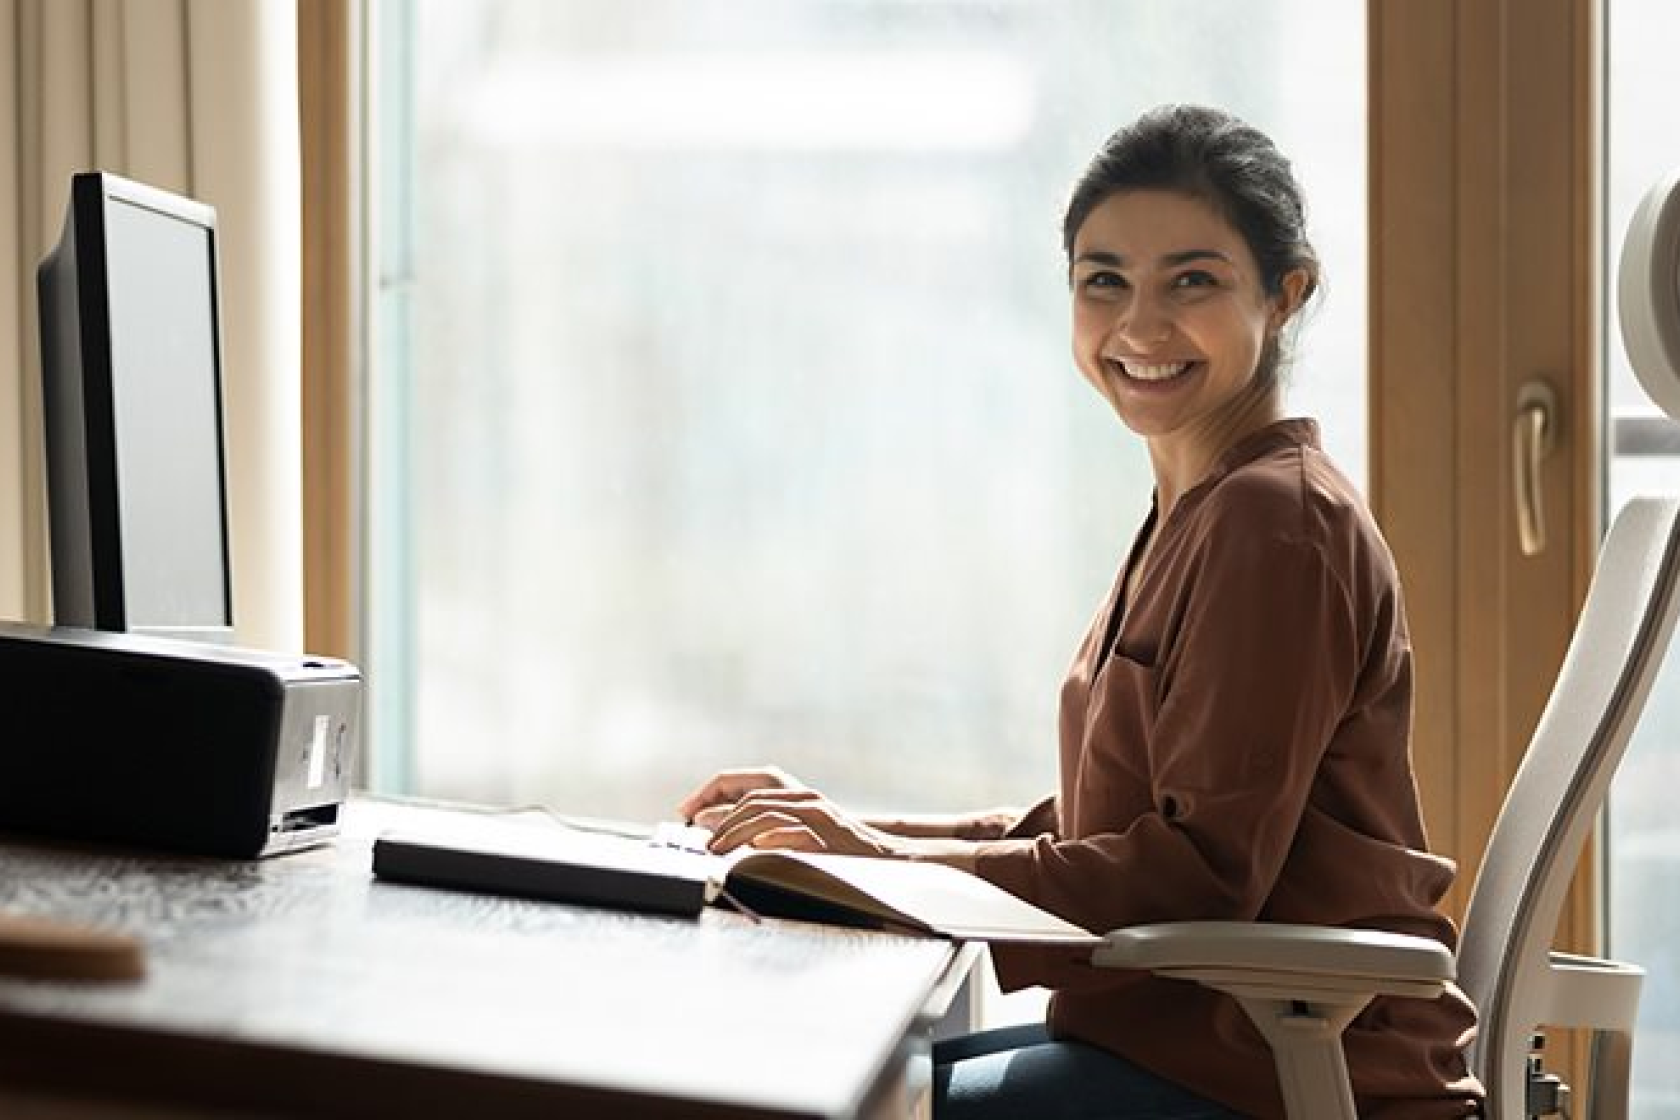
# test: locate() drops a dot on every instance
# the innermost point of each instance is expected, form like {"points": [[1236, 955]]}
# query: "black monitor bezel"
{"points": [[86, 511]]}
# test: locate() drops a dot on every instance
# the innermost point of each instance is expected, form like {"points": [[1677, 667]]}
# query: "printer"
{"points": [[171, 744]]}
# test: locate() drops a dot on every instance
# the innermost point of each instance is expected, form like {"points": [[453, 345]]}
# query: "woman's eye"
{"points": [[1104, 280], [1195, 278]]}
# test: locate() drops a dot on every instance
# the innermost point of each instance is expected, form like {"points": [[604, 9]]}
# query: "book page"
{"points": [[928, 896]]}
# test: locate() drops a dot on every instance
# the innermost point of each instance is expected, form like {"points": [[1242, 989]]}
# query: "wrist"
{"points": [[947, 850], [991, 824]]}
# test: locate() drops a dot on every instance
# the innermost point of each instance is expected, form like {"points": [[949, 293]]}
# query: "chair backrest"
{"points": [[1555, 798]]}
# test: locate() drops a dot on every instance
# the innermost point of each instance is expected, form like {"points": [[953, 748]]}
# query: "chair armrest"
{"points": [[1580, 991], [1299, 985], [1312, 959]]}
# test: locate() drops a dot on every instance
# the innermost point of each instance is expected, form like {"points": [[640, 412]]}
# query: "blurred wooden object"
{"points": [[44, 948]]}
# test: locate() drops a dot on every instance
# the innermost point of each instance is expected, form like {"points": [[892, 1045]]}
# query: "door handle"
{"points": [[1533, 434]]}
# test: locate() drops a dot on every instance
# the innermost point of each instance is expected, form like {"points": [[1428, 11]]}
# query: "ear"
{"points": [[1292, 292]]}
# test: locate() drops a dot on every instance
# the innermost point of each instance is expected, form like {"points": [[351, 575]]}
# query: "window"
{"points": [[723, 410], [1643, 848]]}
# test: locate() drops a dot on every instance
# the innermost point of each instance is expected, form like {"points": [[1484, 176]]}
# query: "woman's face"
{"points": [[1170, 316]]}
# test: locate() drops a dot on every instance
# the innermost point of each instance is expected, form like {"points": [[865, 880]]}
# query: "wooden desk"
{"points": [[300, 985]]}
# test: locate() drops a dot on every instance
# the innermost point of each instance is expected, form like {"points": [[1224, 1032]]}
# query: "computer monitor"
{"points": [[131, 369]]}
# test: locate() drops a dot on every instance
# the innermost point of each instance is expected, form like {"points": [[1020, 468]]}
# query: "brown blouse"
{"points": [[1236, 745]]}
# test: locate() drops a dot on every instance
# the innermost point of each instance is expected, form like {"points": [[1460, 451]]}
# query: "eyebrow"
{"points": [[1170, 260]]}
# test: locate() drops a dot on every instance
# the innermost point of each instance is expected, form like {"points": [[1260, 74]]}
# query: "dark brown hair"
{"points": [[1209, 155]]}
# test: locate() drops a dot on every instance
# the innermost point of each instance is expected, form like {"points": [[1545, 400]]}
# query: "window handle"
{"points": [[1533, 434]]}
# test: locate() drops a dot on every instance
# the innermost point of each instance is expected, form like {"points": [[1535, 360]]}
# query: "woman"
{"points": [[1235, 728]]}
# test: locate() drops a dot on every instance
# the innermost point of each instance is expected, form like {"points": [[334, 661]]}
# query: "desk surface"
{"points": [[302, 984]]}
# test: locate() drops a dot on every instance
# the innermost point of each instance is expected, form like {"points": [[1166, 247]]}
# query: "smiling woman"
{"points": [[1236, 726], [725, 408]]}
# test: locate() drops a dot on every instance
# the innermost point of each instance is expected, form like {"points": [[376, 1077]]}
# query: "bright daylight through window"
{"points": [[724, 409], [1642, 842]]}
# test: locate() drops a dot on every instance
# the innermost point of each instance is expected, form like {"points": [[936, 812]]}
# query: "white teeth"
{"points": [[1154, 371]]}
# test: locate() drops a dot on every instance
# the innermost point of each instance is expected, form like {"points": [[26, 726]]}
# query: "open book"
{"points": [[570, 866]]}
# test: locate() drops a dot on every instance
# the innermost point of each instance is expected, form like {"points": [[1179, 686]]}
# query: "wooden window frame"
{"points": [[329, 118], [1485, 253]]}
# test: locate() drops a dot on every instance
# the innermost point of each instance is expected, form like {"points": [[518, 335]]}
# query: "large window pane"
{"points": [[1643, 839], [725, 411]]}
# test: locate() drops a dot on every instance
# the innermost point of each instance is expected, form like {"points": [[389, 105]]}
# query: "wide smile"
{"points": [[1150, 373]]}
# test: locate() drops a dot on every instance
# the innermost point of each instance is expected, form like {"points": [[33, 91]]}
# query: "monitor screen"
{"points": [[131, 368]]}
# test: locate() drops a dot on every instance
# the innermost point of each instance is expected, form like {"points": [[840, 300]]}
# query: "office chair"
{"points": [[1301, 985]]}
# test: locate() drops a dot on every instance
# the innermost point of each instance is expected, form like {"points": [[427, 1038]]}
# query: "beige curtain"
{"points": [[197, 97]]}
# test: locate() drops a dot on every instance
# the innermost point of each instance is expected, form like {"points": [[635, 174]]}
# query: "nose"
{"points": [[1142, 323]]}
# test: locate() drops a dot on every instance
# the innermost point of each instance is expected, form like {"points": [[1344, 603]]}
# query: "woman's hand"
{"points": [[770, 808], [801, 819], [714, 800]]}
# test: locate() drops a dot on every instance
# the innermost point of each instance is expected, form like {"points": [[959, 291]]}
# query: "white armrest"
{"points": [[1601, 995], [1312, 959], [1590, 992], [1300, 985]]}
